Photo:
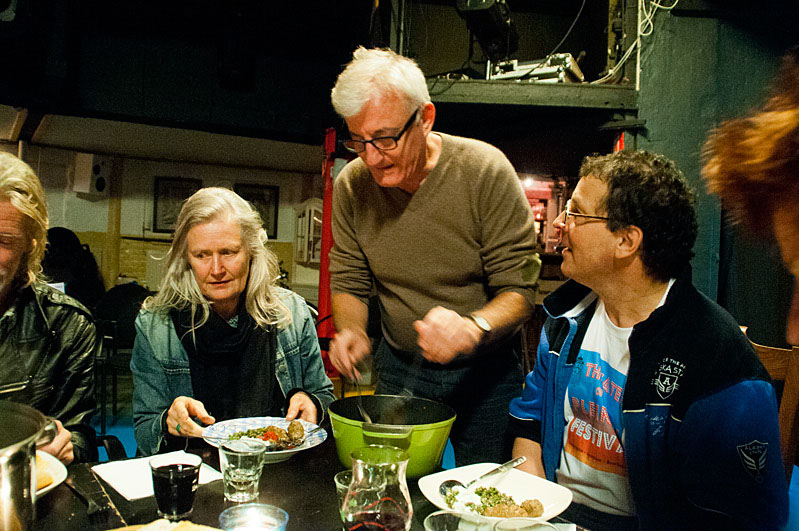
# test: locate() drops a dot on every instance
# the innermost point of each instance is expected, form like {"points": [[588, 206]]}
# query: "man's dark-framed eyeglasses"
{"points": [[567, 213], [381, 143]]}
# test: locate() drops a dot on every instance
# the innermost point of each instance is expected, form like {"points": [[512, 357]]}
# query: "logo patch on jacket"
{"points": [[668, 375], [753, 457]]}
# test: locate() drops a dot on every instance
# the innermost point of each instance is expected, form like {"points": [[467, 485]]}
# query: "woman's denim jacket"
{"points": [[160, 368]]}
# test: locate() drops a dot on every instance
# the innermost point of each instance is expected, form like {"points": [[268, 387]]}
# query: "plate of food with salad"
{"points": [[508, 495], [283, 438]]}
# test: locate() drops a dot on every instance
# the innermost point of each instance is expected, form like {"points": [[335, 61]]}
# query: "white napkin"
{"points": [[132, 477]]}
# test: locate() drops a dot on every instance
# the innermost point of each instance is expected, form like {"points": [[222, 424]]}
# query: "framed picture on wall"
{"points": [[264, 199], [169, 194]]}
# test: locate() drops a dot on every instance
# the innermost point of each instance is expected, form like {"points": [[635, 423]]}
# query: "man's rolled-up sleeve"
{"points": [[349, 267], [508, 233]]}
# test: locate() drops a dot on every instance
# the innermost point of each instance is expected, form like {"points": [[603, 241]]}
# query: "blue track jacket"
{"points": [[699, 413]]}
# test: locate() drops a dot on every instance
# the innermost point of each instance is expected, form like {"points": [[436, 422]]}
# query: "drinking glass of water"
{"points": [[175, 480], [241, 462]]}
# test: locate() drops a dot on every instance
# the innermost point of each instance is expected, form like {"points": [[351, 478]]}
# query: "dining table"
{"points": [[302, 485]]}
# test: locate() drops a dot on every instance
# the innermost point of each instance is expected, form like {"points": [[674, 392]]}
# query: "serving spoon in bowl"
{"points": [[359, 403], [448, 484]]}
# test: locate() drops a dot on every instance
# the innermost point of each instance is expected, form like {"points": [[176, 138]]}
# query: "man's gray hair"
{"points": [[179, 288], [20, 185], [376, 72]]}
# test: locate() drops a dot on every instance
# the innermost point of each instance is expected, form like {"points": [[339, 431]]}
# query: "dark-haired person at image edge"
{"points": [[752, 163], [221, 340], [47, 339], [440, 226], [646, 400]]}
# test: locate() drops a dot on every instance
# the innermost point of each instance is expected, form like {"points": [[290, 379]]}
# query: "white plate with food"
{"points": [[50, 473], [279, 447], [519, 485]]}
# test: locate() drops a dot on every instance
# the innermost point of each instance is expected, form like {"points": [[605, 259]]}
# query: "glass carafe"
{"points": [[378, 497]]}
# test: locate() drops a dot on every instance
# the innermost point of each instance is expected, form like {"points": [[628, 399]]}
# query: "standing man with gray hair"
{"points": [[440, 227], [47, 338]]}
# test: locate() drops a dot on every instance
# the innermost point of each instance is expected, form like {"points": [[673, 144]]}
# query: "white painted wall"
{"points": [[64, 206], [139, 177], [81, 214]]}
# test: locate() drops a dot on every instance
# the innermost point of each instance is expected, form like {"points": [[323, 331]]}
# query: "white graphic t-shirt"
{"points": [[592, 461]]}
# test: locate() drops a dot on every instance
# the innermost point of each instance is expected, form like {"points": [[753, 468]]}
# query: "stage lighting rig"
{"points": [[491, 24]]}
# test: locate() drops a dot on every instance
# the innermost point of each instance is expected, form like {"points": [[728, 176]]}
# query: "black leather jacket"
{"points": [[47, 342]]}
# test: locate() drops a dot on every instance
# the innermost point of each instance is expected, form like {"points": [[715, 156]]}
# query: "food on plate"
{"points": [[43, 475], [488, 501], [533, 507], [296, 431], [276, 437]]}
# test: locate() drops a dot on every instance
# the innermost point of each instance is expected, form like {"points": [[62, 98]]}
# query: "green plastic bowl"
{"points": [[418, 425]]}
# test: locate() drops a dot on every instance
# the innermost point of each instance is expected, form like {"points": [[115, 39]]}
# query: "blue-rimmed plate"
{"points": [[224, 429]]}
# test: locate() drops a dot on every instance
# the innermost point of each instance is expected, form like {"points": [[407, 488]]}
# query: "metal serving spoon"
{"points": [[448, 484], [359, 403]]}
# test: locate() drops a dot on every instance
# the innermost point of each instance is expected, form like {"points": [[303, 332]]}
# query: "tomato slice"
{"points": [[269, 436]]}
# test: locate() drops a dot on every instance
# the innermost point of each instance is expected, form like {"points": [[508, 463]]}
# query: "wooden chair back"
{"points": [[782, 365]]}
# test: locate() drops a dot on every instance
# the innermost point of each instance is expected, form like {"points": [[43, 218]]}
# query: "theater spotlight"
{"points": [[490, 22]]}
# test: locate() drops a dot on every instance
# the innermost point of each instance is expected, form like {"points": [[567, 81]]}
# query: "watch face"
{"points": [[482, 323]]}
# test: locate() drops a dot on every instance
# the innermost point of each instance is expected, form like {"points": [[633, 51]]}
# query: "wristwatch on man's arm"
{"points": [[481, 323]]}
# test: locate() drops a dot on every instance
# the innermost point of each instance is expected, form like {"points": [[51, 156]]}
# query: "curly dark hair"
{"points": [[648, 191]]}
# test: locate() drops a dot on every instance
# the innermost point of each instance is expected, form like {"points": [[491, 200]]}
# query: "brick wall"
{"points": [[133, 258]]}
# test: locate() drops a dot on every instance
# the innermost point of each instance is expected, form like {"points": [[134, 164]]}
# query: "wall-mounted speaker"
{"points": [[92, 175]]}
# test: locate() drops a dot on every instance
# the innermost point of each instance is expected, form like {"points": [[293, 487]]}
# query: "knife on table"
{"points": [[99, 506]]}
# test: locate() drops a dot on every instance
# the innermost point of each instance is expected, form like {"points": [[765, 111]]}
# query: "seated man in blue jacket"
{"points": [[646, 400]]}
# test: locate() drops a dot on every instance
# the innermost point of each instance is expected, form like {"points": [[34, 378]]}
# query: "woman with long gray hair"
{"points": [[220, 340]]}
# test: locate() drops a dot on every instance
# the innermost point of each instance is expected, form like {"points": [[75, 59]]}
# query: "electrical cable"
{"points": [[568, 32], [645, 29], [437, 77], [613, 71], [558, 45], [666, 8]]}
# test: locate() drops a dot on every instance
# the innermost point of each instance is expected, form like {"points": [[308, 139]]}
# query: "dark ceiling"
{"points": [[245, 67], [258, 68]]}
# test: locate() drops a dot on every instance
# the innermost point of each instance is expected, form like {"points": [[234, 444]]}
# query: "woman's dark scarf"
{"points": [[232, 367]]}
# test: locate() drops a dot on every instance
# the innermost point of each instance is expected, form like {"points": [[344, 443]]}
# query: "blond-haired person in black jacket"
{"points": [[47, 339]]}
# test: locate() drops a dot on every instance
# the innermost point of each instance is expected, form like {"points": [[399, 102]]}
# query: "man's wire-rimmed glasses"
{"points": [[381, 143], [567, 212]]}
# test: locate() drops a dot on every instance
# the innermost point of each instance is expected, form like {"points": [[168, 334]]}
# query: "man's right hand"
{"points": [[348, 348], [61, 447], [178, 419]]}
